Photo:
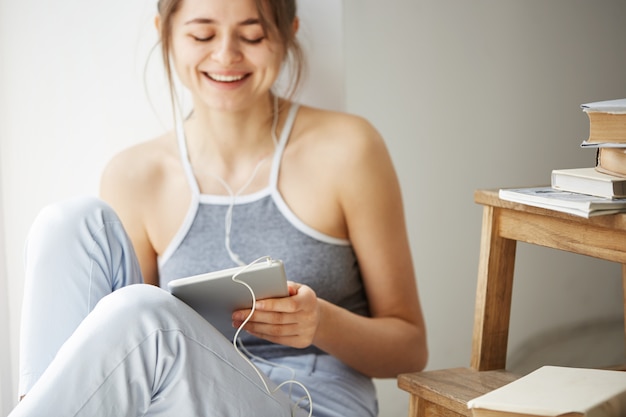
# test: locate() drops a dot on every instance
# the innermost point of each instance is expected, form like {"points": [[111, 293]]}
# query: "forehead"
{"points": [[217, 11]]}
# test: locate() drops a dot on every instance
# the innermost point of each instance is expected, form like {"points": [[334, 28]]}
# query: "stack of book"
{"points": [[590, 191]]}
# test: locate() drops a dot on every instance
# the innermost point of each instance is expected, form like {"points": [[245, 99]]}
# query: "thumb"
{"points": [[293, 288]]}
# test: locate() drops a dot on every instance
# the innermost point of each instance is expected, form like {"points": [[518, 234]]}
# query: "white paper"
{"points": [[609, 106]]}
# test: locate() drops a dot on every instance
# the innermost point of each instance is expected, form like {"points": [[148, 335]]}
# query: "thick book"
{"points": [[557, 391], [612, 161], [589, 181], [577, 204], [607, 121]]}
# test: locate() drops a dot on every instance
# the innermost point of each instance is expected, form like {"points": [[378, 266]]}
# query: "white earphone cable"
{"points": [[178, 121], [239, 351]]}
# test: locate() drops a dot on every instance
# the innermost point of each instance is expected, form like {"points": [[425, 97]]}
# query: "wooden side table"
{"points": [[446, 392]]}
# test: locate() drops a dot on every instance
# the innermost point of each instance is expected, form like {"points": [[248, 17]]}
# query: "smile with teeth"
{"points": [[226, 78]]}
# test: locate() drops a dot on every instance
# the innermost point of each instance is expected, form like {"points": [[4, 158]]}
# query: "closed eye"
{"points": [[203, 39], [253, 41]]}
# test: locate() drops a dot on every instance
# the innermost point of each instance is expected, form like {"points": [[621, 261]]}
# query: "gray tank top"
{"points": [[263, 225]]}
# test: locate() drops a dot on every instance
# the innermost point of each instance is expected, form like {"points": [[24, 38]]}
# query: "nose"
{"points": [[227, 50]]}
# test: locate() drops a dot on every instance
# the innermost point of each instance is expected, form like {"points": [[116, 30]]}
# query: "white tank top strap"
{"points": [[282, 143], [195, 196], [184, 156]]}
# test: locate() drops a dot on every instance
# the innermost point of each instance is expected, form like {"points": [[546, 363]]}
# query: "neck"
{"points": [[231, 147], [231, 135]]}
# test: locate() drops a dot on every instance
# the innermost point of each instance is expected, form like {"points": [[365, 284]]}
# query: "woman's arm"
{"points": [[393, 340], [125, 186]]}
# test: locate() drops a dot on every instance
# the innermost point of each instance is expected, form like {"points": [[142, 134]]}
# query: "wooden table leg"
{"points": [[414, 403], [420, 407], [493, 295]]}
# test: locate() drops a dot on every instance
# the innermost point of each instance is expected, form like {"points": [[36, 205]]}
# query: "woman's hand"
{"points": [[290, 321]]}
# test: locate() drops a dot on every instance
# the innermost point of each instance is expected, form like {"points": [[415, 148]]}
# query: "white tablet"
{"points": [[215, 295]]}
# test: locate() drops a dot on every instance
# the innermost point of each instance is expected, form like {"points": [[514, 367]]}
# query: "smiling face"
{"points": [[223, 54]]}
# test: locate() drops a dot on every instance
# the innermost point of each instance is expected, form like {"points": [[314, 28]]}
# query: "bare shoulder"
{"points": [[138, 181], [342, 159], [342, 129], [347, 139], [136, 169]]}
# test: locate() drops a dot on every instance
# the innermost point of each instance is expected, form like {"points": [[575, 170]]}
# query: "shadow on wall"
{"points": [[592, 344]]}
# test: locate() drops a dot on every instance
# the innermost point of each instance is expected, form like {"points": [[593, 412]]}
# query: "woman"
{"points": [[246, 174]]}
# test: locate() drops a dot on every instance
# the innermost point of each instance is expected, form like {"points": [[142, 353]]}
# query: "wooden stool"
{"points": [[446, 392]]}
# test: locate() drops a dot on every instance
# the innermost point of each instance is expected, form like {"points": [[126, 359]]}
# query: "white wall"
{"points": [[468, 94], [6, 382], [479, 94]]}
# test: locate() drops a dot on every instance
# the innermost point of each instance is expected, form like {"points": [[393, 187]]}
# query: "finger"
{"points": [[272, 330], [295, 340], [284, 305], [275, 324], [293, 287], [267, 317]]}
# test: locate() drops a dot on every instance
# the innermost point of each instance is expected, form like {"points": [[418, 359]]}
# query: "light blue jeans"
{"points": [[93, 344]]}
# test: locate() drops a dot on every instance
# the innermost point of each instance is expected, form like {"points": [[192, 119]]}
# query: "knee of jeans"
{"points": [[139, 302], [70, 216]]}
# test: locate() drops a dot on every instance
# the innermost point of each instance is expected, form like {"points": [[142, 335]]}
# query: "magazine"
{"points": [[582, 205]]}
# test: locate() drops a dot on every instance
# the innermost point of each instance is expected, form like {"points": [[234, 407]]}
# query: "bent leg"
{"points": [[77, 252], [144, 352]]}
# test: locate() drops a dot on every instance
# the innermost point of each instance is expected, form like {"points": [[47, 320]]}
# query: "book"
{"points": [[611, 161], [607, 121], [589, 181], [557, 391], [577, 204]]}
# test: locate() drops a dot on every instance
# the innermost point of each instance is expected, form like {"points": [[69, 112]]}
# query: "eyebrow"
{"points": [[206, 21]]}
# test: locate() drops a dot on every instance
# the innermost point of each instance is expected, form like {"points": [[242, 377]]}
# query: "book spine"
{"points": [[612, 161]]}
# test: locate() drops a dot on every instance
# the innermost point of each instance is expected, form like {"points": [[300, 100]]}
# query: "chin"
{"points": [[229, 104]]}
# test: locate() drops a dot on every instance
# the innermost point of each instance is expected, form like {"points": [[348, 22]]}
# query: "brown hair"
{"points": [[276, 16]]}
